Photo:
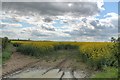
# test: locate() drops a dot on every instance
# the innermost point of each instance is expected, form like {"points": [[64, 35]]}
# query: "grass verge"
{"points": [[109, 72], [6, 54]]}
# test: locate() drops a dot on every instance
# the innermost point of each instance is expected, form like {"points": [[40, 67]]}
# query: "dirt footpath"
{"points": [[20, 62], [17, 62]]}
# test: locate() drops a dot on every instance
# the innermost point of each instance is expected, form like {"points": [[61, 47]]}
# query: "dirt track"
{"points": [[19, 62]]}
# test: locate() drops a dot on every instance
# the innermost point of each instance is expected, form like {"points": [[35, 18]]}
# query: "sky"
{"points": [[60, 21]]}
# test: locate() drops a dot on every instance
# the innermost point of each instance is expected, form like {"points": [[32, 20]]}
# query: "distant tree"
{"points": [[113, 39], [29, 39], [5, 41], [118, 39]]}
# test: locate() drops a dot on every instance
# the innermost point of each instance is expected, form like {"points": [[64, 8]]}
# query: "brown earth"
{"points": [[19, 61]]}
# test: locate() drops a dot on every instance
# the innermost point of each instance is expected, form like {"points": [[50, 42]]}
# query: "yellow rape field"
{"points": [[96, 54]]}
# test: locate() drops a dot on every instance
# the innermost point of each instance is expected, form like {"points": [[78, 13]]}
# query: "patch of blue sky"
{"points": [[59, 23], [8, 20], [119, 8], [110, 7], [23, 23], [111, 0], [77, 21]]}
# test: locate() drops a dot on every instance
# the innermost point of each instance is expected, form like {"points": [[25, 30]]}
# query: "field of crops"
{"points": [[95, 54]]}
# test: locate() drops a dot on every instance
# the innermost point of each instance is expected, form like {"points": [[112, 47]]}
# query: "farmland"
{"points": [[87, 56]]}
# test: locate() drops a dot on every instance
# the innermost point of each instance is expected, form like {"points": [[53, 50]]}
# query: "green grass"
{"points": [[0, 51], [0, 59], [0, 41], [109, 72], [60, 54], [6, 54]]}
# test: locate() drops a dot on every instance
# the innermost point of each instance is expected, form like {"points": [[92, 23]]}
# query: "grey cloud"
{"points": [[47, 19], [47, 28], [97, 35], [94, 23], [86, 32], [8, 33], [51, 8], [84, 20], [2, 26], [38, 34], [100, 33]]}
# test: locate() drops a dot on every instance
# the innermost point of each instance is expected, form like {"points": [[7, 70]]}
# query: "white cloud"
{"points": [[100, 4], [81, 25], [10, 25], [111, 19], [86, 29]]}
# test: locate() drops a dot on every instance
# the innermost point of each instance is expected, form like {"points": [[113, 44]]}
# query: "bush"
{"points": [[4, 42], [6, 54], [16, 44]]}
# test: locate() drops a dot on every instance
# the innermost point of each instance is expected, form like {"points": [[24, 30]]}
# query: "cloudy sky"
{"points": [[60, 21]]}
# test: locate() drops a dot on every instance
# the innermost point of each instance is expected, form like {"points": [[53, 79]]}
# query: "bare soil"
{"points": [[19, 61]]}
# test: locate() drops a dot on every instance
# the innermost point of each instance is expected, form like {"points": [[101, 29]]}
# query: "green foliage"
{"points": [[16, 44], [6, 49], [99, 55], [109, 72], [65, 47], [36, 51], [0, 58], [6, 54], [4, 42], [40, 50], [95, 54], [1, 41], [112, 59]]}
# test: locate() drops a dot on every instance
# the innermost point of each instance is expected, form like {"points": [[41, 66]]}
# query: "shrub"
{"points": [[5, 56], [4, 42], [6, 53], [16, 44]]}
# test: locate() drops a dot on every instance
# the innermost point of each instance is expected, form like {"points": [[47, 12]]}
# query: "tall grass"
{"points": [[7, 52], [37, 51], [43, 49]]}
